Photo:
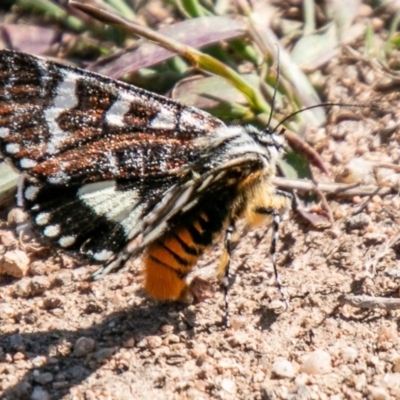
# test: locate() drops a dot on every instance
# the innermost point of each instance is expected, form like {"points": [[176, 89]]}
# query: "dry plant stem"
{"points": [[338, 189], [394, 167], [370, 302], [371, 262], [321, 195], [196, 58]]}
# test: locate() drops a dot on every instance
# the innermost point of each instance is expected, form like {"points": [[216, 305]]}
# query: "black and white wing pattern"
{"points": [[105, 163], [96, 154]]}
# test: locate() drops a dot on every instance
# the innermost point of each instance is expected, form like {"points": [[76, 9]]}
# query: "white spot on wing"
{"points": [[92, 188], [12, 148], [115, 114], [187, 117], [112, 163], [4, 132], [102, 255], [52, 231], [165, 119], [27, 163], [42, 219], [58, 178], [31, 192], [66, 241], [64, 100], [105, 199]]}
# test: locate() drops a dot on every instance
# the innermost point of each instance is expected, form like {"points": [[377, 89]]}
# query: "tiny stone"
{"points": [[129, 343], [39, 284], [358, 221], [39, 394], [317, 363], [18, 356], [83, 346], [105, 353], [43, 378], [228, 385], [63, 278], [349, 354], [378, 393], [51, 302], [17, 216], [8, 239], [22, 390], [6, 311], [172, 338], [182, 326], [238, 338], [392, 382], [396, 365], [152, 342], [23, 288], [282, 368], [38, 268], [39, 361], [60, 385], [14, 263], [387, 334], [167, 328]]}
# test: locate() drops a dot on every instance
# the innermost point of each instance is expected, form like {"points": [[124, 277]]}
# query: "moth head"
{"points": [[267, 137]]}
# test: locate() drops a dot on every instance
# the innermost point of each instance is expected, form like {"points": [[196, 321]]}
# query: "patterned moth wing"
{"points": [[96, 154], [109, 169]]}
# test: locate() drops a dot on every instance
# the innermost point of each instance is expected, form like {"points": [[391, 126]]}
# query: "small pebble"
{"points": [[378, 393], [23, 288], [14, 263], [105, 353], [39, 394], [83, 346], [392, 382], [396, 364], [51, 302], [6, 311], [17, 216], [349, 354], [39, 284], [358, 221], [8, 239], [228, 385], [317, 363], [43, 378], [39, 361], [282, 368], [152, 342], [129, 343]]}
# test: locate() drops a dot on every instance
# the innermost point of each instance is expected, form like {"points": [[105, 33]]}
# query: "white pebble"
{"points": [[283, 368], [317, 363], [349, 354], [378, 393], [228, 385]]}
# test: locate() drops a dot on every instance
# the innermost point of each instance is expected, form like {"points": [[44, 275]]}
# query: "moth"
{"points": [[109, 171]]}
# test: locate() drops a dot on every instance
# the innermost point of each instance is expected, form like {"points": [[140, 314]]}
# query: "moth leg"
{"points": [[276, 219], [224, 269]]}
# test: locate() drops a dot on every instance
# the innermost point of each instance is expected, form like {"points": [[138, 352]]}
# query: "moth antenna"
{"points": [[278, 72], [322, 105]]}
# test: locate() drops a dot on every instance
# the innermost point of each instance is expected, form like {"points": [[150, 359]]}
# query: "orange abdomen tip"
{"points": [[167, 263]]}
